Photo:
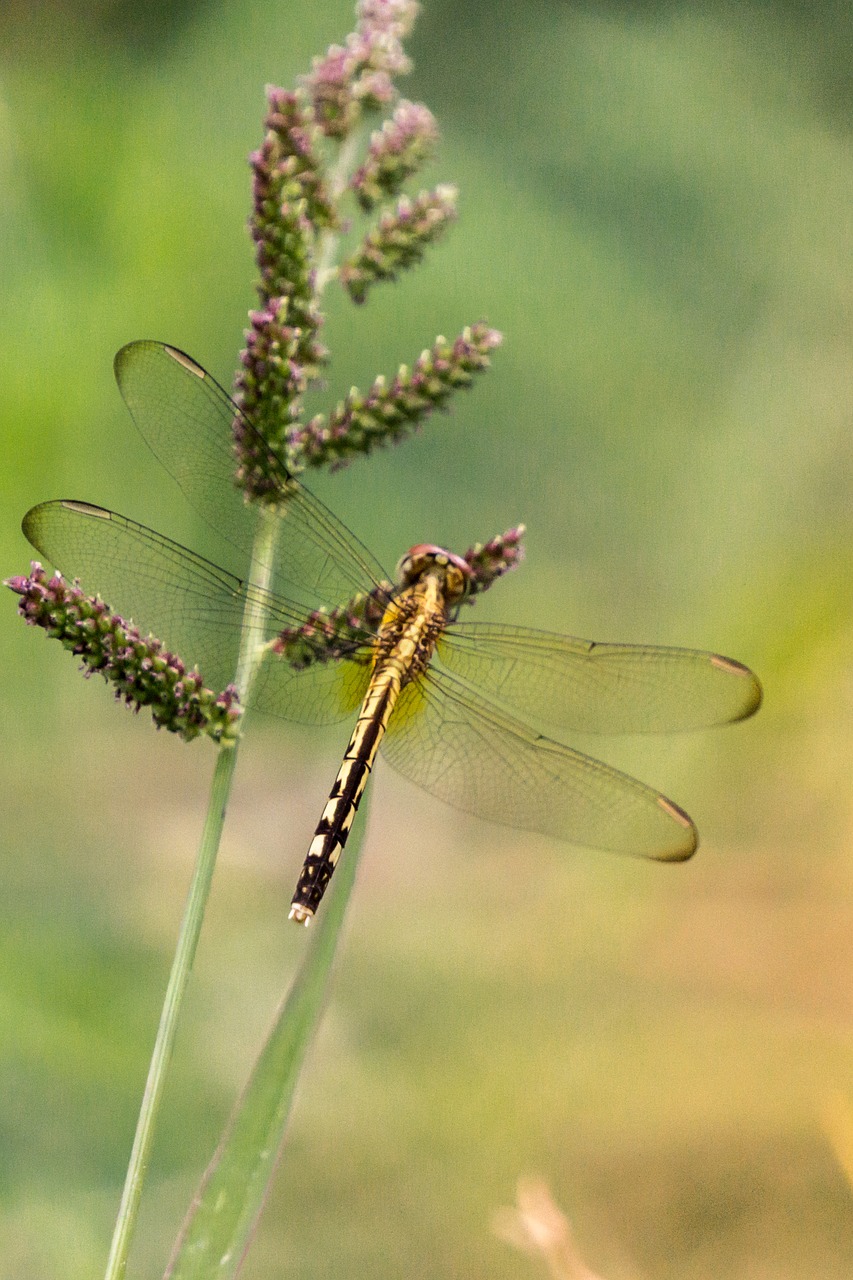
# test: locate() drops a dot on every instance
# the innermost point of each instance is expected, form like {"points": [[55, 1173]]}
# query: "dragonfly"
{"points": [[454, 705]]}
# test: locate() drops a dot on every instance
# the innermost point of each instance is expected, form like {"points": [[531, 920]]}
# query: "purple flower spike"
{"points": [[399, 240], [269, 386], [399, 149], [387, 414], [359, 75], [490, 560], [328, 635], [391, 17], [300, 182], [283, 354], [143, 671]]}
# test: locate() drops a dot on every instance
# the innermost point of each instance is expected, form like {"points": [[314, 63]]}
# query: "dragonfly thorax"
{"points": [[411, 627], [453, 572]]}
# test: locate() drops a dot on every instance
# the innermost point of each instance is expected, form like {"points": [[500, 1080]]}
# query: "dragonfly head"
{"points": [[455, 573]]}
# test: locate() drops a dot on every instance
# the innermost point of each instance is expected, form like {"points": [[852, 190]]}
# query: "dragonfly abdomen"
{"points": [[407, 636], [336, 821]]}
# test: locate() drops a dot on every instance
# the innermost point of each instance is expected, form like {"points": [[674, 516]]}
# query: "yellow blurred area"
{"points": [[655, 210]]}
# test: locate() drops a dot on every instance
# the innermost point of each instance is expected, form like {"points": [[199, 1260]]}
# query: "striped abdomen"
{"points": [[405, 642], [339, 814]]}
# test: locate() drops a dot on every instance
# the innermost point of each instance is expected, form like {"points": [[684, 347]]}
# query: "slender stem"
{"points": [[250, 657], [178, 979], [255, 612], [327, 245]]}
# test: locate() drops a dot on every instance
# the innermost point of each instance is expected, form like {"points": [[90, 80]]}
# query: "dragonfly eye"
{"points": [[426, 558]]}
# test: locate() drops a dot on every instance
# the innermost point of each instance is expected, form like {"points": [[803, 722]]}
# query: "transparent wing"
{"points": [[600, 688], [471, 755], [186, 419], [193, 606]]}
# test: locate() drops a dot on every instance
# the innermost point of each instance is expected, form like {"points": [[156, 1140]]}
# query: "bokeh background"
{"points": [[655, 209]]}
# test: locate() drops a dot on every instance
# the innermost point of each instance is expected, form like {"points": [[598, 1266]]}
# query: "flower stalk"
{"points": [[307, 179]]}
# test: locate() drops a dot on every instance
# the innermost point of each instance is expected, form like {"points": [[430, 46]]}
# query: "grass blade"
{"points": [[223, 1216]]}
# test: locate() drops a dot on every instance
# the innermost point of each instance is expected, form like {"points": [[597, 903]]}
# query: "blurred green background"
{"points": [[655, 209]]}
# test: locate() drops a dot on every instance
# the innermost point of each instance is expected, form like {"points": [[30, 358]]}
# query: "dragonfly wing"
{"points": [[471, 755], [325, 693], [600, 688], [193, 606], [187, 420]]}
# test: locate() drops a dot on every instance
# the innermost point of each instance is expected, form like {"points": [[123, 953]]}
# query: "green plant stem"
{"points": [[178, 979], [255, 613], [329, 240], [250, 657]]}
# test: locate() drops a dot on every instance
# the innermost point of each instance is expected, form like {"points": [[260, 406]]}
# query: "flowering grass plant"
{"points": [[341, 146]]}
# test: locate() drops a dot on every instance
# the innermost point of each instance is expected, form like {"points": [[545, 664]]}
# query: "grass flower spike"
{"points": [[489, 561], [283, 355], [300, 191], [359, 75], [399, 240], [143, 672], [397, 151], [327, 635], [386, 414]]}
